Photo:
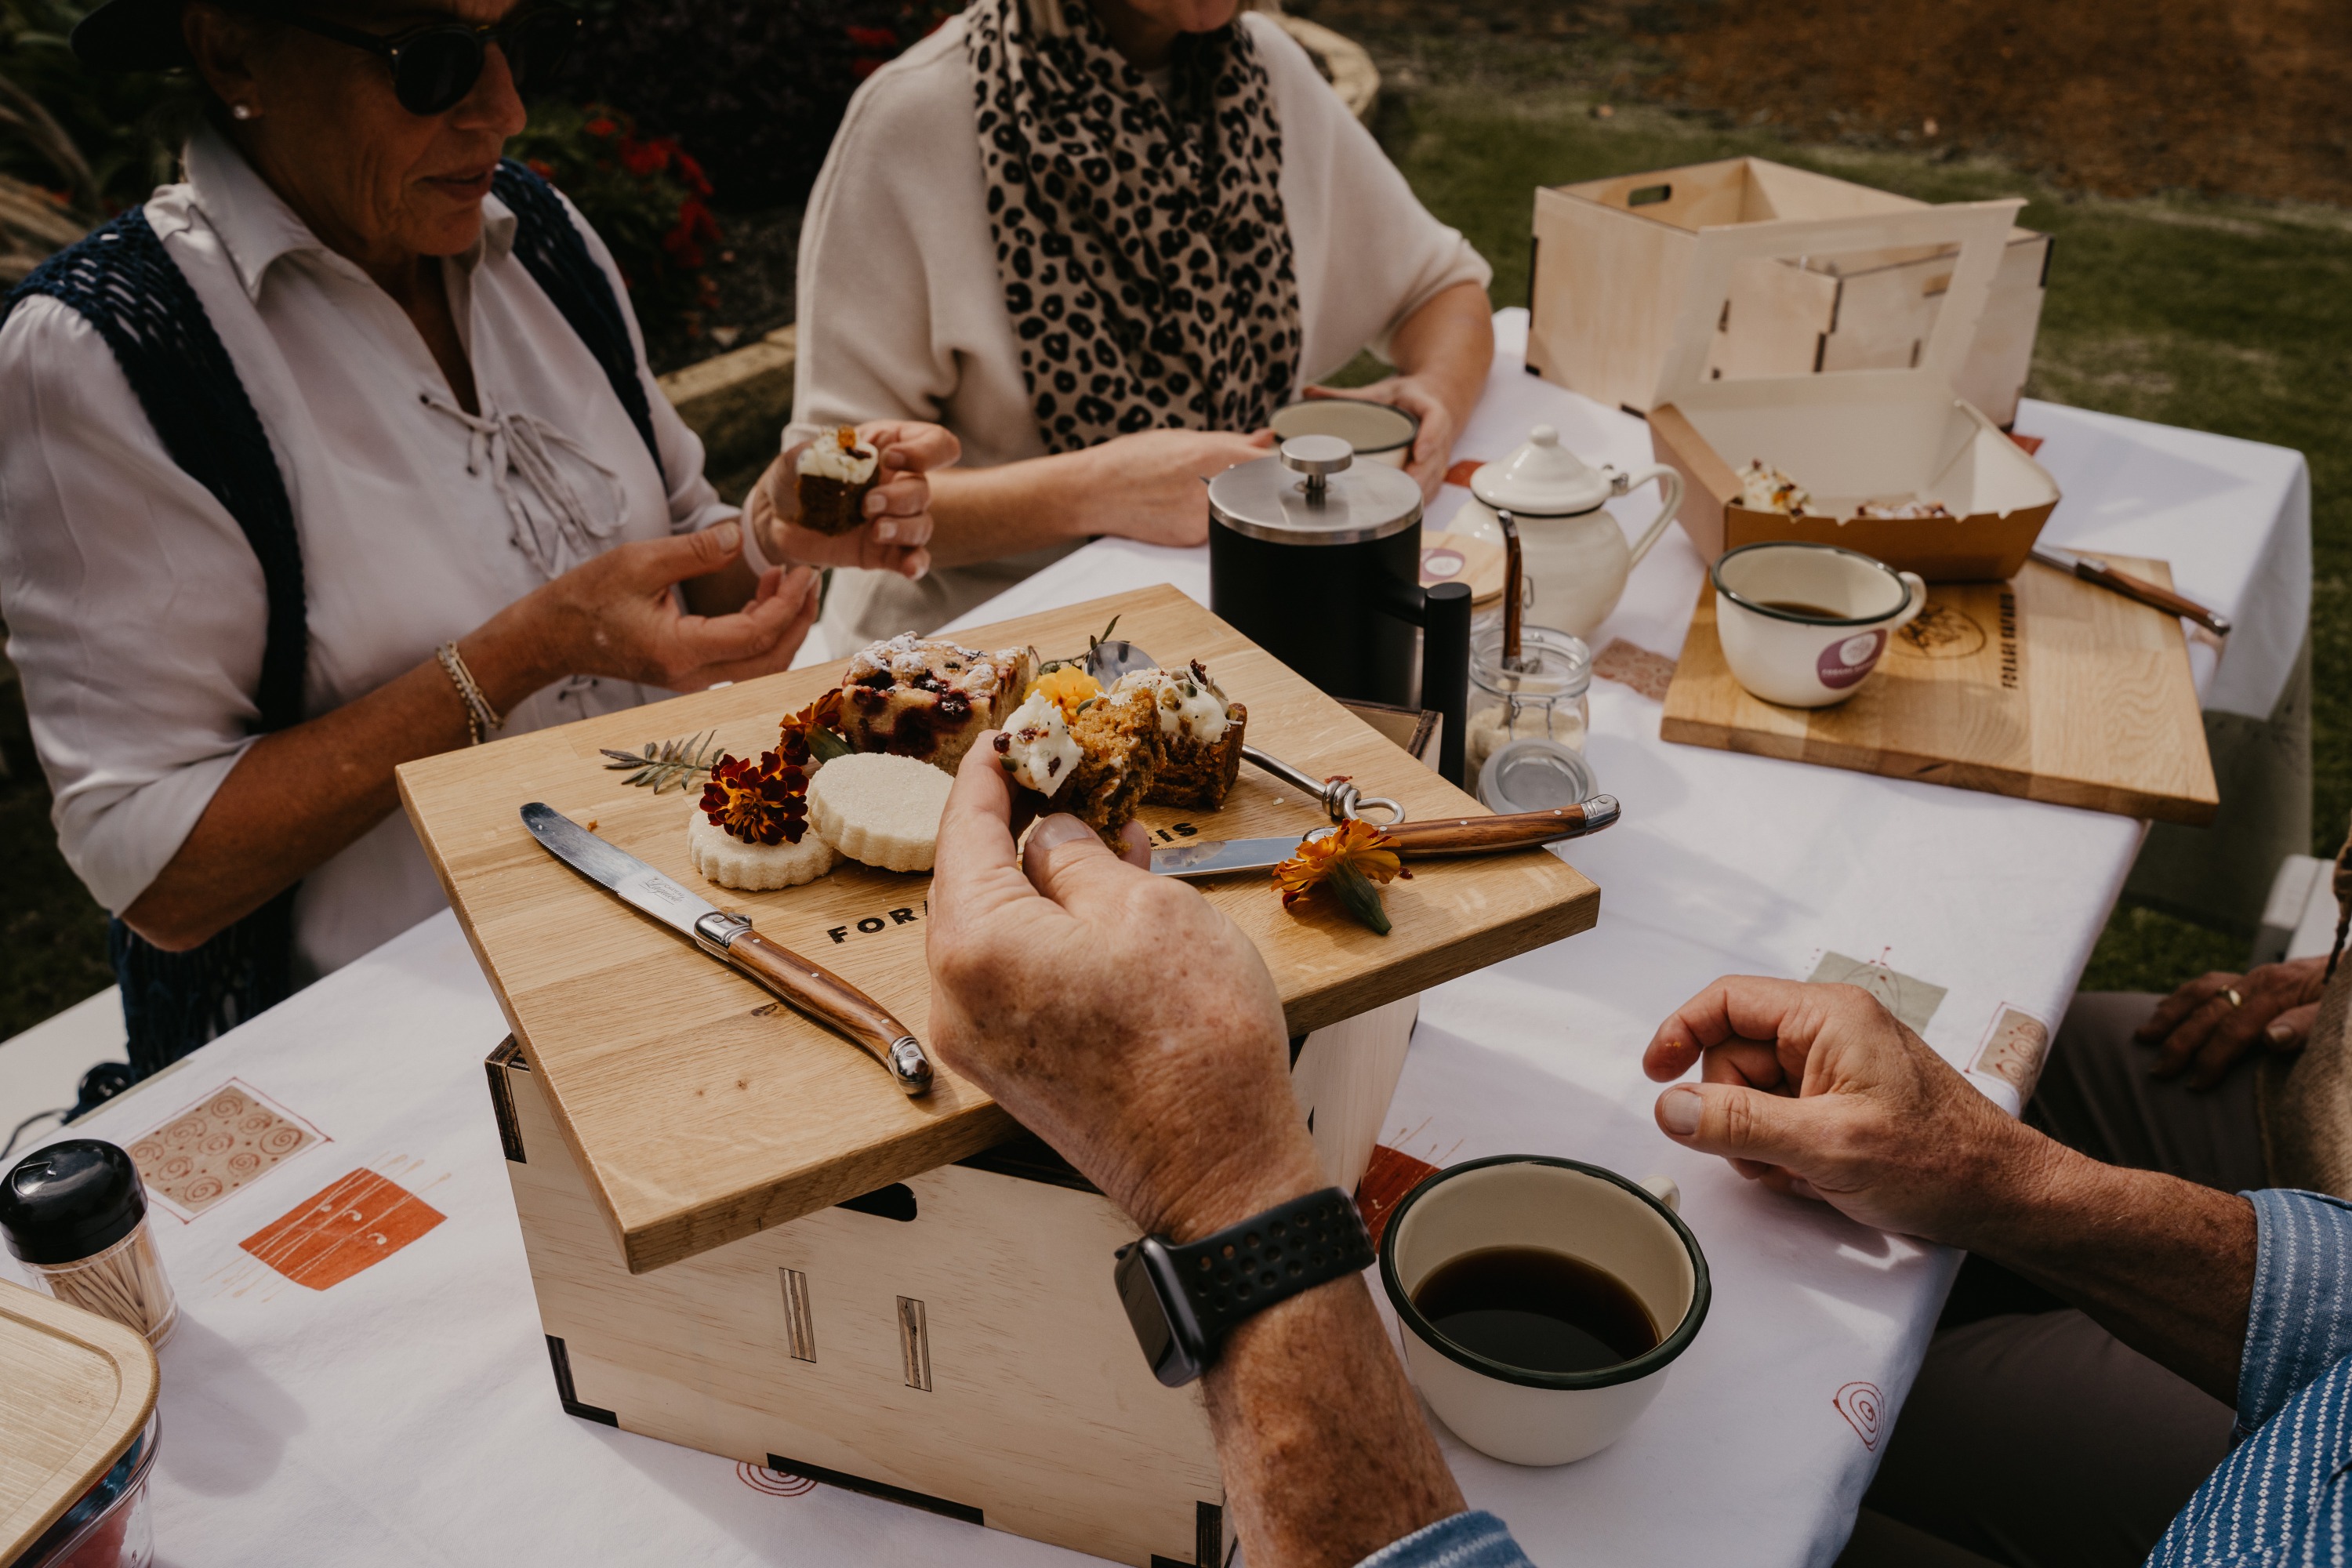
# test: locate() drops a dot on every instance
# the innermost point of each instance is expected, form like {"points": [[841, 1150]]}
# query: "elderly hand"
{"points": [[1116, 1013], [1433, 450], [618, 616], [1148, 486], [898, 533], [2199, 1029], [1819, 1091]]}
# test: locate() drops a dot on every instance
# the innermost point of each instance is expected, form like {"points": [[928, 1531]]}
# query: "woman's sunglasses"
{"points": [[435, 67]]}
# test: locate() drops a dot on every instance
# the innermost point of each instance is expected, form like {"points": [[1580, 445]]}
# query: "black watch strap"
{"points": [[1271, 1257]]}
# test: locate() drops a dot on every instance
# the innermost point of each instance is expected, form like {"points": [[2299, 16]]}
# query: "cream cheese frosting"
{"points": [[827, 457], [1036, 745], [1188, 702]]}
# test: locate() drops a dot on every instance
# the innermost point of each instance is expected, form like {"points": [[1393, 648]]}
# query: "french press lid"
{"points": [[1310, 492]]}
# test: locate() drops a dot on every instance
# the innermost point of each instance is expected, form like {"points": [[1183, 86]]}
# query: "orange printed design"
{"points": [[1388, 1181], [761, 803], [1863, 1407], [232, 1136], [358, 1222]]}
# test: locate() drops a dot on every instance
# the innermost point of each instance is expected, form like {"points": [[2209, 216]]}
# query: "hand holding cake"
{"points": [[852, 496]]}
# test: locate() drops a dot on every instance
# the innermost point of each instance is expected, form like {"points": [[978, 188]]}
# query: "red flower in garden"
{"points": [[695, 224], [689, 173], [645, 158], [874, 37], [600, 126]]}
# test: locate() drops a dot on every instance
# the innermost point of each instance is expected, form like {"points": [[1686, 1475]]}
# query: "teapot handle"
{"points": [[1670, 480]]}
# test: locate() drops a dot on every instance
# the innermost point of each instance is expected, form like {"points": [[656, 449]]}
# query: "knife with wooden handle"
{"points": [[808, 989], [2090, 569], [1413, 840]]}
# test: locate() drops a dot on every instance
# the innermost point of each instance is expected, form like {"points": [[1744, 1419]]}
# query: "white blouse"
{"points": [[135, 607], [902, 312]]}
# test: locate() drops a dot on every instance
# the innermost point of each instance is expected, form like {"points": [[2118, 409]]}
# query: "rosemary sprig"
{"points": [[1081, 659], [666, 765]]}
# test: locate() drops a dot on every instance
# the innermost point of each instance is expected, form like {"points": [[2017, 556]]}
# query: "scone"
{"points": [[881, 809], [1200, 734], [833, 477], [930, 699]]}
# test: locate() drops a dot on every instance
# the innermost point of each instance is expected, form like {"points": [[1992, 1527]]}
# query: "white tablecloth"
{"points": [[407, 1415]]}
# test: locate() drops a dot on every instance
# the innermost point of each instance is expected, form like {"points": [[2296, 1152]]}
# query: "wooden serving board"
{"points": [[2045, 687], [702, 1110], [75, 1389]]}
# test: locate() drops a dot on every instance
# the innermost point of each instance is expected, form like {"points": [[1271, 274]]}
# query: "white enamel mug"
{"points": [[1803, 624], [1630, 1229]]}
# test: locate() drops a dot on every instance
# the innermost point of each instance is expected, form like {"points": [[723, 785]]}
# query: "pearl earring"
{"points": [[241, 111]]}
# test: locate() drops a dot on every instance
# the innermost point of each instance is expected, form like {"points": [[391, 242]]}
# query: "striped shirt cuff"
{"points": [[2300, 1322], [1465, 1541]]}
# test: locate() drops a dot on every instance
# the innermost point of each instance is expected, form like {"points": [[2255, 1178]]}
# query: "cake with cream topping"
{"points": [[1200, 734], [928, 698], [833, 477]]}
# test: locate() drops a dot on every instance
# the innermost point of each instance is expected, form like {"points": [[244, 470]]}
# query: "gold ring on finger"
{"points": [[2235, 1000]]}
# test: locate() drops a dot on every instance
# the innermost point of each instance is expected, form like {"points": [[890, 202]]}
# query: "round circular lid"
{"points": [[1532, 773], [1542, 478], [70, 1200], [1314, 492]]}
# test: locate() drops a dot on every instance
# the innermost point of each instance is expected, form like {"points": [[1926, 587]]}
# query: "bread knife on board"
{"points": [[1438, 836]]}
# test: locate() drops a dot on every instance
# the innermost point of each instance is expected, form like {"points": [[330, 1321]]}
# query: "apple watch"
{"points": [[1182, 1300]]}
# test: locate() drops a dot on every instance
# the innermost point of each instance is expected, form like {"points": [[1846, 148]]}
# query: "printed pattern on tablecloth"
{"points": [[1864, 1408], [1628, 664], [2014, 1047], [774, 1483], [232, 1137], [352, 1223], [1911, 999]]}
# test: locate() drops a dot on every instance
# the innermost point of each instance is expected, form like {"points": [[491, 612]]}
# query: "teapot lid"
{"points": [[1542, 478], [1311, 492]]}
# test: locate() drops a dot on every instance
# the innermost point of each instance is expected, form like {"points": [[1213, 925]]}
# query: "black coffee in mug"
{"points": [[1532, 1307]]}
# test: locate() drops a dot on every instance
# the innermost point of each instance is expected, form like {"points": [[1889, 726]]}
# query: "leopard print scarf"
{"points": [[1141, 242]]}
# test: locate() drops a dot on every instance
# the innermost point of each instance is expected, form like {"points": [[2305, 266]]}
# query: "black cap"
{"points": [[131, 35], [66, 1201]]}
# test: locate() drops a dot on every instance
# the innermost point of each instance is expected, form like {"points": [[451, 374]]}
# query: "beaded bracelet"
{"points": [[479, 715]]}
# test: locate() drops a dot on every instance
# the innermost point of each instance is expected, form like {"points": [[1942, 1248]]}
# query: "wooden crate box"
{"points": [[1612, 268], [951, 1342]]}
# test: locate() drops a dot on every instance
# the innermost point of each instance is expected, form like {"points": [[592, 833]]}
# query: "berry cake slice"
{"points": [[928, 698]]}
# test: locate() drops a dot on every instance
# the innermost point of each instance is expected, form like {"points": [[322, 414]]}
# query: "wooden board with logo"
{"points": [[2044, 686], [699, 1111]]}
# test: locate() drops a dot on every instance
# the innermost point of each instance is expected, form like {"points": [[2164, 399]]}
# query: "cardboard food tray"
{"points": [[1853, 437], [2047, 689], [702, 1110]]}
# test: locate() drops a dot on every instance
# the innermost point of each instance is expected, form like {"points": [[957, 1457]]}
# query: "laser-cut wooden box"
{"points": [[951, 1341]]}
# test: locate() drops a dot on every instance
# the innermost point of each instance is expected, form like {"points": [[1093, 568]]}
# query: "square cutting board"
{"points": [[2044, 686], [702, 1109]]}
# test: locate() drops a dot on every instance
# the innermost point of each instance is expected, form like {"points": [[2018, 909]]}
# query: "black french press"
{"points": [[1317, 559]]}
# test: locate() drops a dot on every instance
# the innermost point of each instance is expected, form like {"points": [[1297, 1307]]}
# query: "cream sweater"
{"points": [[902, 314]]}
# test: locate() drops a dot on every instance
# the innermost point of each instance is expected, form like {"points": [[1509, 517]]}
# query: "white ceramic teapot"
{"points": [[1574, 553]]}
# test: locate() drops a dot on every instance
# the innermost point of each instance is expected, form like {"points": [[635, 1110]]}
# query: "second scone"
{"points": [[880, 808]]}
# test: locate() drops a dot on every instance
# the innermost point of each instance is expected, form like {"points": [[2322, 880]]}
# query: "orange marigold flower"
{"points": [[1068, 686], [815, 731], [1353, 861], [759, 803]]}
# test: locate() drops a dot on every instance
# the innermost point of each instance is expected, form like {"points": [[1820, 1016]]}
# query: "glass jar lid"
{"points": [[1312, 491], [1532, 773], [1552, 665], [70, 1200]]}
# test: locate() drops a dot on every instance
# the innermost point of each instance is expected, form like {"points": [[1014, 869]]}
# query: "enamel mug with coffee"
{"points": [[1627, 1228], [1575, 558], [1803, 624]]}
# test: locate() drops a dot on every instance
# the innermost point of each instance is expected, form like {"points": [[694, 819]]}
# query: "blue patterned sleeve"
{"points": [[2301, 1321], [1465, 1541]]}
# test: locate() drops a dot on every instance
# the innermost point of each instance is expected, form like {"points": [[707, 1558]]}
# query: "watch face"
{"points": [[1144, 1312]]}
